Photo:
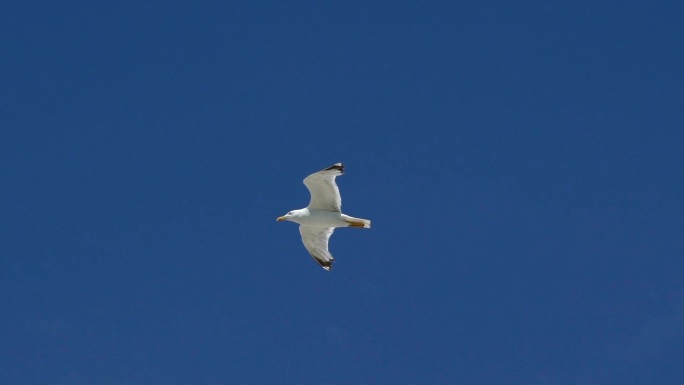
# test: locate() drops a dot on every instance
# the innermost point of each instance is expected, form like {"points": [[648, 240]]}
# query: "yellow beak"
{"points": [[280, 219]]}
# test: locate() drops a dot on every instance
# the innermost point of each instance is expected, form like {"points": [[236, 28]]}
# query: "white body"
{"points": [[321, 218]]}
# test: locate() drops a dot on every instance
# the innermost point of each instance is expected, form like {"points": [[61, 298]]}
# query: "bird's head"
{"points": [[286, 217]]}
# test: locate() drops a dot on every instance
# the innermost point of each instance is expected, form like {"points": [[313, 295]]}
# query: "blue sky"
{"points": [[521, 163]]}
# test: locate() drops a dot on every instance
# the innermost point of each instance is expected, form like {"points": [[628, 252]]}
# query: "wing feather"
{"points": [[315, 240], [325, 195]]}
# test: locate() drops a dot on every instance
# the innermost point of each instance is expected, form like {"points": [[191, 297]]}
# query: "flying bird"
{"points": [[324, 213]]}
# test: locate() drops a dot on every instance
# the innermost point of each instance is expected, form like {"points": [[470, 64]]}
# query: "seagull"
{"points": [[324, 213]]}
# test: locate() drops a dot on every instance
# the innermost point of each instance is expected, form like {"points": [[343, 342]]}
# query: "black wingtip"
{"points": [[337, 166], [326, 265]]}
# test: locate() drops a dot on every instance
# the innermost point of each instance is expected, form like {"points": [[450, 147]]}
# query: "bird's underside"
{"points": [[319, 220]]}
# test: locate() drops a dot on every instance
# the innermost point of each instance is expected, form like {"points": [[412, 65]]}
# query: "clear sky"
{"points": [[522, 163]]}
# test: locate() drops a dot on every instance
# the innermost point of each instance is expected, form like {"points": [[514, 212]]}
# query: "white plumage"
{"points": [[324, 213]]}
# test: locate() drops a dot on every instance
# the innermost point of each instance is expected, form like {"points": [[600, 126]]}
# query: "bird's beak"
{"points": [[280, 219]]}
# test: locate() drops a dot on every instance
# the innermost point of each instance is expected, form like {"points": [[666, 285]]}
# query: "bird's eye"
{"points": [[290, 213]]}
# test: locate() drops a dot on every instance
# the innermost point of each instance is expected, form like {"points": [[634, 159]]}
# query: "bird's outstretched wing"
{"points": [[315, 240], [324, 192]]}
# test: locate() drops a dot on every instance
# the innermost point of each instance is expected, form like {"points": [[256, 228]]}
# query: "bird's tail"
{"points": [[358, 222]]}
